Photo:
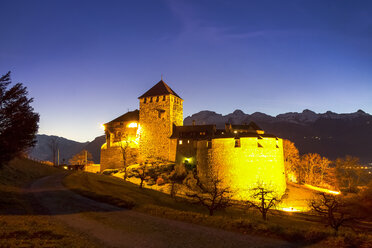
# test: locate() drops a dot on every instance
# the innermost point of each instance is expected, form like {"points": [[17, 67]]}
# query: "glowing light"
{"points": [[323, 190], [103, 126], [132, 125], [189, 160], [290, 209], [65, 167]]}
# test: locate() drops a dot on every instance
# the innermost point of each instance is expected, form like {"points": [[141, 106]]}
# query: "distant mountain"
{"points": [[67, 148], [329, 134]]}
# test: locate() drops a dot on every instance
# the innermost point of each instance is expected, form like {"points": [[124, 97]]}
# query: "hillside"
{"points": [[67, 148], [330, 134]]}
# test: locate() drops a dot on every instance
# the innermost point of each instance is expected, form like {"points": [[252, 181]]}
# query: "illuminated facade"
{"points": [[242, 155]]}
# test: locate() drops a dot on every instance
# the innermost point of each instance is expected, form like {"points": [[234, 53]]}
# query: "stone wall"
{"points": [[111, 158], [157, 116], [242, 168]]}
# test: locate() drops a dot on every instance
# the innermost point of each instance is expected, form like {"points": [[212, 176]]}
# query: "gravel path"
{"points": [[111, 226]]}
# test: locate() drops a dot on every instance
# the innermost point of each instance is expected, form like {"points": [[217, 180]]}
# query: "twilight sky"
{"points": [[86, 62]]}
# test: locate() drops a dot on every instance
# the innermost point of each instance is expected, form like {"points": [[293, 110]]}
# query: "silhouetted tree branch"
{"points": [[263, 199], [210, 193], [332, 208]]}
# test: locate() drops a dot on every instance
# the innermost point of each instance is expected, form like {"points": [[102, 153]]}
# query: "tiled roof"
{"points": [[159, 89], [130, 116]]}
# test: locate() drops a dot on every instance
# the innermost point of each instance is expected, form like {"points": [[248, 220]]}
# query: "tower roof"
{"points": [[159, 89]]}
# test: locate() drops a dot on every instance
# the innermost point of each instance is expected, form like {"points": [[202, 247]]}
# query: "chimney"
{"points": [[193, 122]]}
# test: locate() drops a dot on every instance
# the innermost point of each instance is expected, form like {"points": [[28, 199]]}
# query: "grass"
{"points": [[288, 226], [19, 227]]}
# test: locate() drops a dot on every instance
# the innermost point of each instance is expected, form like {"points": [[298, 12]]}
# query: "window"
{"points": [[188, 141], [150, 99], [157, 98], [164, 98], [180, 142], [237, 142], [144, 100]]}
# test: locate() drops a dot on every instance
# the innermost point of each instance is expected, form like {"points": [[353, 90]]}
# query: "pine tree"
{"points": [[18, 121]]}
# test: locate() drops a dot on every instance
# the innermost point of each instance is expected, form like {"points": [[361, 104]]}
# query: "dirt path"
{"points": [[111, 226]]}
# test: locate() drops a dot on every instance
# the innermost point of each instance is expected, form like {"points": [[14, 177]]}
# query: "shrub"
{"points": [[160, 181]]}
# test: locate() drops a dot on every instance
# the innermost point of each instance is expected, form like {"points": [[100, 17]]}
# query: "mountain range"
{"points": [[67, 148], [329, 134]]}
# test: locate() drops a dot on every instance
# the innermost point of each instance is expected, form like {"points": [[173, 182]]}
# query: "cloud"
{"points": [[195, 26]]}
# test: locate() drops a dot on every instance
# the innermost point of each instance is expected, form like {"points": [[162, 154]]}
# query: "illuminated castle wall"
{"points": [[255, 161], [157, 116], [242, 155]]}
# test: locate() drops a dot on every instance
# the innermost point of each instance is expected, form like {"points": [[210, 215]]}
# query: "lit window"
{"points": [[180, 142], [188, 141], [132, 124]]}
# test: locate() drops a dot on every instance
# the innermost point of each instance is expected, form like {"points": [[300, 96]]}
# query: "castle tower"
{"points": [[160, 109]]}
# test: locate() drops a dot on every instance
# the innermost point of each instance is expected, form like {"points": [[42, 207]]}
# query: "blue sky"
{"points": [[86, 62]]}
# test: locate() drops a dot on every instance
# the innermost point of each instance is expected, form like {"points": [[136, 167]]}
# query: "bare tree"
{"points": [[54, 146], [176, 177], [264, 199], [314, 167], [141, 172], [82, 158], [125, 152], [210, 193], [332, 208], [291, 161], [348, 172]]}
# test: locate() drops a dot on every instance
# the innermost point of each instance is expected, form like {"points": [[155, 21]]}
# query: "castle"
{"points": [[242, 154]]}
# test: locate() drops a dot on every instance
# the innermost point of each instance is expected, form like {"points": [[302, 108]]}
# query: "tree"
{"points": [[176, 177], [313, 167], [82, 158], [54, 146], [332, 208], [126, 152], [291, 161], [348, 172], [141, 172], [210, 192], [263, 199], [18, 121]]}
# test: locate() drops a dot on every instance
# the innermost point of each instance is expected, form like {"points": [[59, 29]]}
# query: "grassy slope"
{"points": [[18, 226], [125, 194]]}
